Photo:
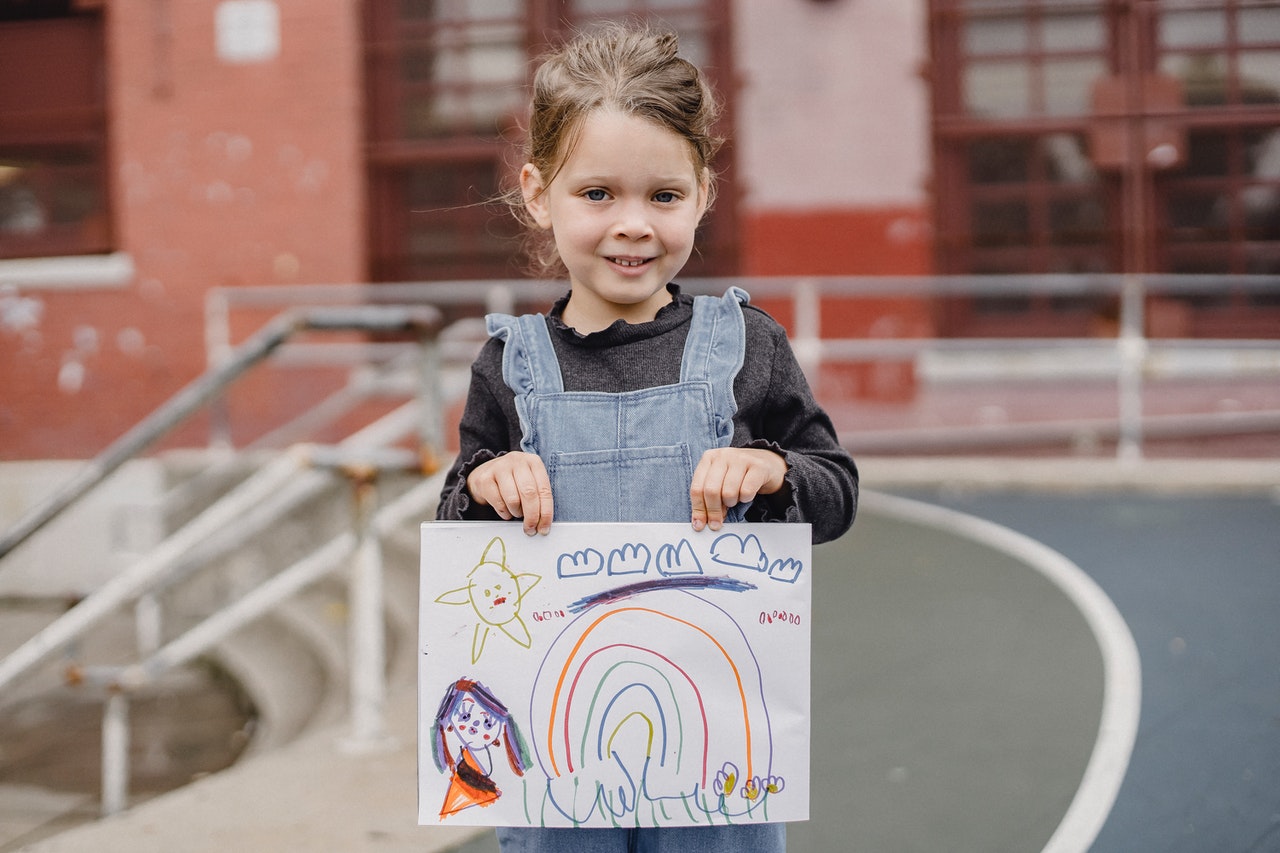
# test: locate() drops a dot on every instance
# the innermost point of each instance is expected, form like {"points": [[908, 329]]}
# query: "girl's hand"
{"points": [[728, 476], [516, 485]]}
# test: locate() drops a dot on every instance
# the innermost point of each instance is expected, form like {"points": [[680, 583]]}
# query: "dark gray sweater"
{"points": [[776, 410]]}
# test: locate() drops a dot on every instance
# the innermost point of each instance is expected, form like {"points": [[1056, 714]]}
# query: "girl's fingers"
{"points": [[728, 476], [705, 492], [535, 500], [515, 486]]}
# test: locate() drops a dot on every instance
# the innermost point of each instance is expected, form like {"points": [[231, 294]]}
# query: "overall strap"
{"points": [[716, 345], [529, 363]]}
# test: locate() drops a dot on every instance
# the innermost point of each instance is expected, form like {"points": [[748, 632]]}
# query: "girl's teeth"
{"points": [[627, 263]]}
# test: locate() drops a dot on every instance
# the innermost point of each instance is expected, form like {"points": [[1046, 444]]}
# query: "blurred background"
{"points": [[1005, 236], [153, 153]]}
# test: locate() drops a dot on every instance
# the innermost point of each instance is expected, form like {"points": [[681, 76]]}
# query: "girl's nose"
{"points": [[632, 223]]}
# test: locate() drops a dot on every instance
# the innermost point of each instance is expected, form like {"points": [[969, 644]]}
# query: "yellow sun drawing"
{"points": [[494, 592]]}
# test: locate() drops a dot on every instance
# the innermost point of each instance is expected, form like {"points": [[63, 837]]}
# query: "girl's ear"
{"points": [[534, 191], [704, 192]]}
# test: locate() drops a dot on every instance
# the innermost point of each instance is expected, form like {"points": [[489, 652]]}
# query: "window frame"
{"points": [[393, 158], [52, 127], [1136, 188]]}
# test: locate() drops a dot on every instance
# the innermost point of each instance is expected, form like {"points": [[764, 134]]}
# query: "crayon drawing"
{"points": [[472, 721], [664, 681], [494, 593]]}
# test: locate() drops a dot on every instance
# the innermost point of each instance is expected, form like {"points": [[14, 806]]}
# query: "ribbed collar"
{"points": [[675, 313]]}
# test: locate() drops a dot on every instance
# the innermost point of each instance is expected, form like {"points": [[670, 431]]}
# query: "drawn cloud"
{"points": [[678, 560], [580, 564], [730, 549], [630, 559], [786, 570]]}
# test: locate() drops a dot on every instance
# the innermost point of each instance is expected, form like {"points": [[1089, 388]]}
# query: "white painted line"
{"points": [[1122, 670]]}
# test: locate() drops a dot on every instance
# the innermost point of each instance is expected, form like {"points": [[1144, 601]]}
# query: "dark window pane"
{"points": [[999, 161], [1004, 223], [1077, 221], [1198, 216], [1208, 154]]}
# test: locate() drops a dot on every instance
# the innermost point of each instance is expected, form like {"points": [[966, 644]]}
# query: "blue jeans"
{"points": [[738, 838]]}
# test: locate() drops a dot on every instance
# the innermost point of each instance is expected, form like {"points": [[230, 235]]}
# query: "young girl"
{"points": [[632, 401]]}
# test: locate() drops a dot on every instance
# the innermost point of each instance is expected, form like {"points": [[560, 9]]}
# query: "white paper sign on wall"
{"points": [[247, 31]]}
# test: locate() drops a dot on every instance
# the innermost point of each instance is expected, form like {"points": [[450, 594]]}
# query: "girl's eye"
{"points": [[596, 195], [665, 197]]}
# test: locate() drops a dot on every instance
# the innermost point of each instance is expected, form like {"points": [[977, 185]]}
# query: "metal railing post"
{"points": [[431, 397], [148, 620], [1131, 348], [807, 342], [115, 753], [366, 632], [217, 343]]}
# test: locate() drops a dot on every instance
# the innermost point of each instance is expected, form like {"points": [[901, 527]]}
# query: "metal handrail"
{"points": [[266, 495], [422, 319], [1134, 360]]}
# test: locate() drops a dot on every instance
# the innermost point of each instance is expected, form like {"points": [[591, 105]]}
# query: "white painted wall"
{"points": [[833, 112], [89, 543]]}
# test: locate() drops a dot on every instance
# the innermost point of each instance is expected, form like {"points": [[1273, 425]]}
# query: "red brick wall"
{"points": [[222, 175], [881, 241]]}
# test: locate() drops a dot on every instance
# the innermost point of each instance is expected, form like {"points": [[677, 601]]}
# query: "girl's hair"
{"points": [[632, 70]]}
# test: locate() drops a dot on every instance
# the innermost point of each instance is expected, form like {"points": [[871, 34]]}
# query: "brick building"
{"points": [[151, 150]]}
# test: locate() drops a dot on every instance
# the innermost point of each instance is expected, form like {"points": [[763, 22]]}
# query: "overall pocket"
{"points": [[632, 484]]}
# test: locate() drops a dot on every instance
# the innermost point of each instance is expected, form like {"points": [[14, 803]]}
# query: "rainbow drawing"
{"points": [[641, 711]]}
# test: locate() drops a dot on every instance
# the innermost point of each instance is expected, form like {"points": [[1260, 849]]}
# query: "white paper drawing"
{"points": [[614, 675]]}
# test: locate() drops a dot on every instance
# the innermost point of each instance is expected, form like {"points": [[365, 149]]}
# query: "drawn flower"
{"points": [[751, 788], [726, 779], [774, 784]]}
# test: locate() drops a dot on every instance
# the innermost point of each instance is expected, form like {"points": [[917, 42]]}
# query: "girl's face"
{"points": [[474, 726], [622, 209]]}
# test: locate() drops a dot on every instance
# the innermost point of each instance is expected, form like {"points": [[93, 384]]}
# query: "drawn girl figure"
{"points": [[472, 718]]}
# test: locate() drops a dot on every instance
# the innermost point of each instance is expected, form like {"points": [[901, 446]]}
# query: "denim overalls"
{"points": [[630, 457]]}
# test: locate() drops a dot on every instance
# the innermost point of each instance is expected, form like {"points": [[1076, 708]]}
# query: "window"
{"points": [[1078, 136], [53, 194], [446, 87]]}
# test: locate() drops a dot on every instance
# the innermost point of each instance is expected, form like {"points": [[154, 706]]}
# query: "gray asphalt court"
{"points": [[1197, 580], [973, 690], [957, 693]]}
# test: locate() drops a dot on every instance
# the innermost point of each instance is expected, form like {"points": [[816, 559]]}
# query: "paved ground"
{"points": [[191, 724], [957, 691], [956, 703], [1197, 578]]}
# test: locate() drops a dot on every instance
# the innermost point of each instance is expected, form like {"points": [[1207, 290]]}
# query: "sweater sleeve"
{"points": [[489, 428], [777, 411]]}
